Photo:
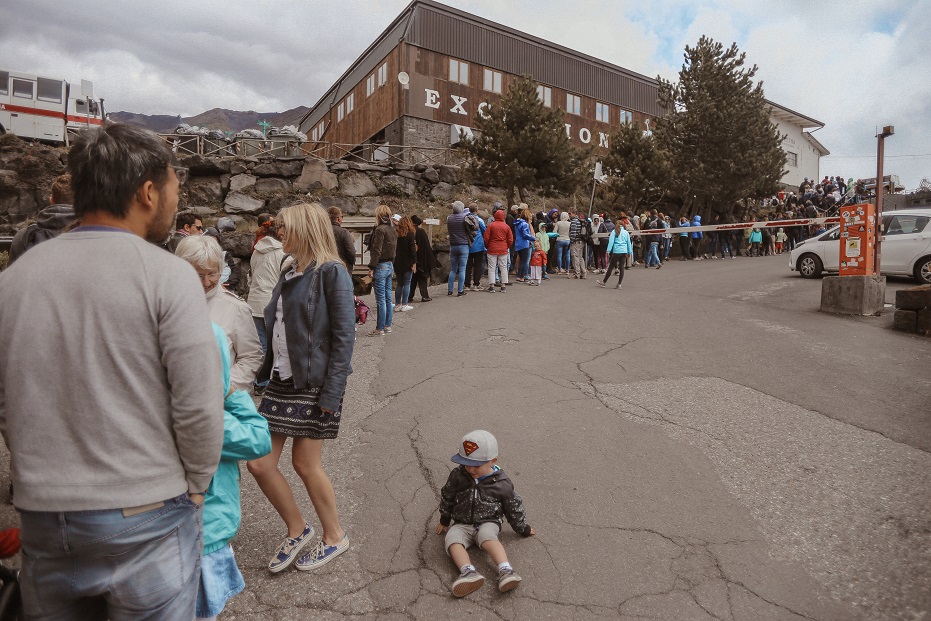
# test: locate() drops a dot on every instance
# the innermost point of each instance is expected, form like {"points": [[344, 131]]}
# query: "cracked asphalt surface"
{"points": [[702, 444]]}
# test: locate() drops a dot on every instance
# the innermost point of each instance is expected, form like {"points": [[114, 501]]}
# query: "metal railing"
{"points": [[193, 144]]}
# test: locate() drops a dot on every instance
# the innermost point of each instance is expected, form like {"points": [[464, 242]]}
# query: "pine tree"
{"points": [[637, 168], [721, 143], [523, 145]]}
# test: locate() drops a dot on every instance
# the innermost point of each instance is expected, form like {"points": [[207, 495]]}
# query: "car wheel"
{"points": [[923, 270], [810, 266]]}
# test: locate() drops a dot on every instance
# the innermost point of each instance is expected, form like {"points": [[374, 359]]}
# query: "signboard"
{"points": [[858, 238]]}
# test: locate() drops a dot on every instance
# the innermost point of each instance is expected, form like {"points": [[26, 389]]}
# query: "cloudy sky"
{"points": [[853, 64]]}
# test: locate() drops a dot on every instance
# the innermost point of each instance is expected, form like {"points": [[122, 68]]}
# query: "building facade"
{"points": [[435, 68], [803, 151]]}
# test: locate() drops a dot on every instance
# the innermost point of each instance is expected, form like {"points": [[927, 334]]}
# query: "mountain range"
{"points": [[218, 118]]}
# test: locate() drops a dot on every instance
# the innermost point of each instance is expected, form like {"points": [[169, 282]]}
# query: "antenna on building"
{"points": [[404, 79]]}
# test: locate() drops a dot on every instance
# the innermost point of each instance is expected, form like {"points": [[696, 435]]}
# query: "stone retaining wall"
{"points": [[913, 310]]}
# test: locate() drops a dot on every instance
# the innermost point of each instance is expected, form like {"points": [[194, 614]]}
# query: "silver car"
{"points": [[906, 248]]}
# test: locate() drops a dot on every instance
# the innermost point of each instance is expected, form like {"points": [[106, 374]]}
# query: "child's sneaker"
{"points": [[468, 581], [507, 580], [288, 550], [322, 554]]}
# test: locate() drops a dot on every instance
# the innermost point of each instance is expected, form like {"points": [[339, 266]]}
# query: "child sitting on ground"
{"points": [[476, 496], [537, 264]]}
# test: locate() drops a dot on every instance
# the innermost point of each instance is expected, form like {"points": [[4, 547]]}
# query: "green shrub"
{"points": [[4, 260]]}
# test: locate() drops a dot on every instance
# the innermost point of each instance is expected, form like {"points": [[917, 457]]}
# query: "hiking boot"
{"points": [[288, 550], [468, 581], [322, 554], [508, 580]]}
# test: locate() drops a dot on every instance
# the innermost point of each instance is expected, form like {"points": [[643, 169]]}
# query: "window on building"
{"points": [[350, 102], [340, 111], [791, 158], [602, 112], [382, 74], [458, 71], [573, 104], [370, 85], [545, 95], [4, 82], [317, 132], [493, 81], [22, 88], [627, 117]]}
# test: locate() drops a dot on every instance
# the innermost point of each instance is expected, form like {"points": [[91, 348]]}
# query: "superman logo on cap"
{"points": [[470, 447]]}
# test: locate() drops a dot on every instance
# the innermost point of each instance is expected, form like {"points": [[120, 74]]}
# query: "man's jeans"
{"points": [[458, 256], [102, 565], [382, 285], [562, 255], [653, 256], [403, 293]]}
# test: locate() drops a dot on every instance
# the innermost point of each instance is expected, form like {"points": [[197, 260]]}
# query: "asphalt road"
{"points": [[702, 444]]}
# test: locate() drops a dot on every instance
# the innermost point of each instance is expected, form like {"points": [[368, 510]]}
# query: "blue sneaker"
{"points": [[289, 549], [322, 554]]}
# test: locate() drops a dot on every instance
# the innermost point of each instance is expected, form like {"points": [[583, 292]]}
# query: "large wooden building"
{"points": [[435, 67], [428, 75]]}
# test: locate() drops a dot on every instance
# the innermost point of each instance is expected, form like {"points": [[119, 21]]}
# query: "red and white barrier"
{"points": [[737, 226]]}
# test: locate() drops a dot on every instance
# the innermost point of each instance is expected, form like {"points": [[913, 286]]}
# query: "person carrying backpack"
{"points": [[50, 222]]}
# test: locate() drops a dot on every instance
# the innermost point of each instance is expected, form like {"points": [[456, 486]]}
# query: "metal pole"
{"points": [[591, 203], [888, 130]]}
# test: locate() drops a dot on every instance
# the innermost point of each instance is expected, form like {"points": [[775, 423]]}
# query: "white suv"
{"points": [[906, 248]]}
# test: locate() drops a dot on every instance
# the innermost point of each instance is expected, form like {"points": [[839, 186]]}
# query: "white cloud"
{"points": [[853, 64]]}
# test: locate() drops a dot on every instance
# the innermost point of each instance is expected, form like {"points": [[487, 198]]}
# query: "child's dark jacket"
{"points": [[467, 501]]}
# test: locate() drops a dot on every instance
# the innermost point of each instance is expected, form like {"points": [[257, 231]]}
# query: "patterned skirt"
{"points": [[296, 413]]}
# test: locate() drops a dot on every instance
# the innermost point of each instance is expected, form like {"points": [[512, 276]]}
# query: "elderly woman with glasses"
{"points": [[226, 309]]}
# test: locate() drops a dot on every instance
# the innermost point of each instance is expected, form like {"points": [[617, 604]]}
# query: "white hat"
{"points": [[477, 447], [396, 217]]}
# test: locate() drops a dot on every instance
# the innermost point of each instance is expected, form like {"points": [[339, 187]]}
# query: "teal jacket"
{"points": [[619, 242], [245, 436], [756, 236]]}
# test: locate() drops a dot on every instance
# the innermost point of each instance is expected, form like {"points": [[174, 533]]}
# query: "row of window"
{"points": [[348, 104], [42, 89], [459, 72]]}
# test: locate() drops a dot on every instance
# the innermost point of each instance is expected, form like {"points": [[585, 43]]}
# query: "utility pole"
{"points": [[887, 131]]}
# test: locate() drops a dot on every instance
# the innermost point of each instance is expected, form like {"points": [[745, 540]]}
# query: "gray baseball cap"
{"points": [[477, 447]]}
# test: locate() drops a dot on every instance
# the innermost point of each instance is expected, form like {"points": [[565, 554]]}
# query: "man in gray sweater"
{"points": [[111, 396]]}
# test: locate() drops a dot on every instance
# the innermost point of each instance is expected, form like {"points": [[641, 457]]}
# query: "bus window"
{"points": [[80, 106], [50, 90], [95, 109], [22, 88], [4, 82]]}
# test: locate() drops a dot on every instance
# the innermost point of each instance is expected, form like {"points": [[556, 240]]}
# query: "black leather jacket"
{"points": [[319, 310], [467, 501]]}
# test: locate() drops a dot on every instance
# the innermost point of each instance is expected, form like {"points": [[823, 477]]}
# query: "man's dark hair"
{"points": [[108, 166], [61, 190], [186, 218]]}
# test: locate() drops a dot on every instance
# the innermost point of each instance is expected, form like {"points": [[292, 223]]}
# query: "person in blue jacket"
{"points": [[697, 237], [245, 437], [523, 243], [618, 248], [475, 264]]}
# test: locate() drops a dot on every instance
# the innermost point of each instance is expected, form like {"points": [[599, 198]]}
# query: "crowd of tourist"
{"points": [[129, 450]]}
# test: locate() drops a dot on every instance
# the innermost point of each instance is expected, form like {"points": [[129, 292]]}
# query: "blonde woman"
{"points": [[310, 322]]}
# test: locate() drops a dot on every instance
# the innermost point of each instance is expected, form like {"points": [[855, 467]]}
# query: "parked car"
{"points": [[906, 248]]}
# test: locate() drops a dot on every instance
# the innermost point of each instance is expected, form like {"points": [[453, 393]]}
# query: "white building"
{"points": [[803, 151]]}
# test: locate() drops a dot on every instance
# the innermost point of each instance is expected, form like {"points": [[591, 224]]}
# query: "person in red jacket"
{"points": [[537, 264], [498, 241]]}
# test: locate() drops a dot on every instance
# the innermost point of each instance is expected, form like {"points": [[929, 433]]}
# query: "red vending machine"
{"points": [[857, 240]]}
